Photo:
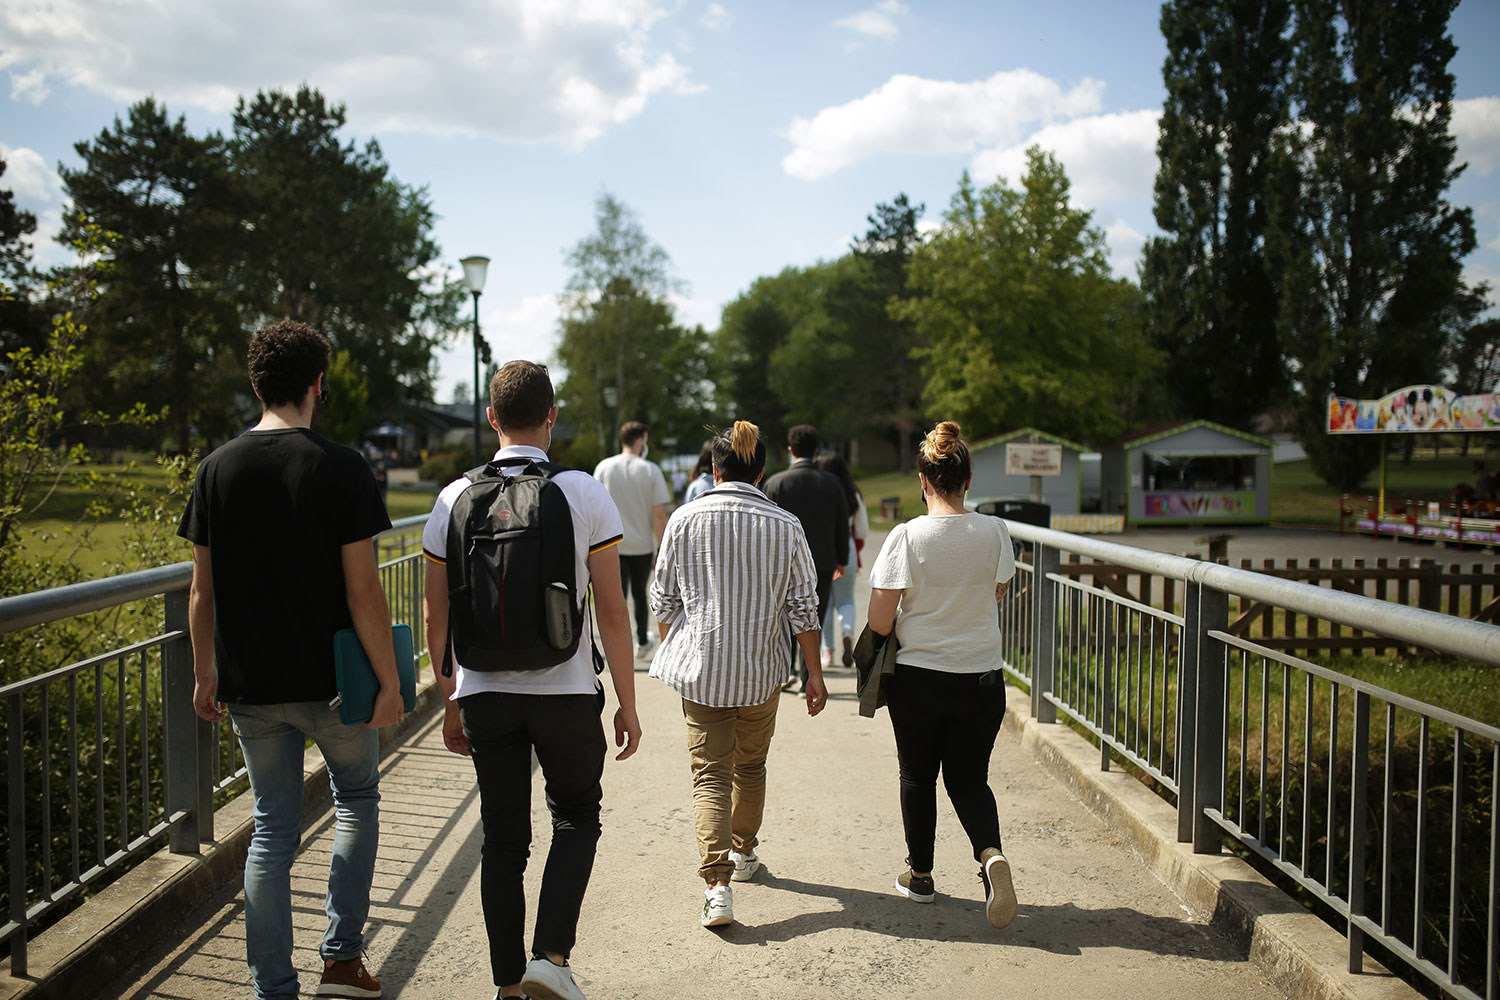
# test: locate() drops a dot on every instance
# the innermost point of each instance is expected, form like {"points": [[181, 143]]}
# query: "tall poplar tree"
{"points": [[1211, 282], [1374, 279]]}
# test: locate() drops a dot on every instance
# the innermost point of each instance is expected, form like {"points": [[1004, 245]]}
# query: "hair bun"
{"points": [[743, 439]]}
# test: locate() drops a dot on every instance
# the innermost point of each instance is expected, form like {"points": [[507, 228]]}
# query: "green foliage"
{"points": [[16, 227], [447, 464], [1019, 319], [342, 418], [619, 333], [1210, 282], [1374, 286]]}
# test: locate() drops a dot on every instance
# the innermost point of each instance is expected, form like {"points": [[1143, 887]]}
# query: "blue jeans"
{"points": [[842, 601], [273, 738]]}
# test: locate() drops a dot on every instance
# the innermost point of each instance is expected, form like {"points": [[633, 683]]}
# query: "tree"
{"points": [[1019, 319], [165, 330], [888, 371], [619, 332], [333, 240], [1373, 247], [752, 329], [1211, 282], [16, 275]]}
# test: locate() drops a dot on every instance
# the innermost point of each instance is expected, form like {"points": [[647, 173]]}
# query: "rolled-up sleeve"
{"points": [[663, 595], [802, 586]]}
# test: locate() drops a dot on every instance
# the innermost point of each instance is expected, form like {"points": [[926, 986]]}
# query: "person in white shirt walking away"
{"points": [[945, 571], [640, 492], [727, 647]]}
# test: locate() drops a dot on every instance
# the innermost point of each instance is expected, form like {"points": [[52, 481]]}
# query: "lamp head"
{"points": [[474, 271]]}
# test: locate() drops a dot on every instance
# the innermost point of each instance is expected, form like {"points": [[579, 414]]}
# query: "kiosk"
{"points": [[1192, 473]]}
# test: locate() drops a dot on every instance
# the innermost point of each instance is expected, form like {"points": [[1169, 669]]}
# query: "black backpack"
{"points": [[512, 588]]}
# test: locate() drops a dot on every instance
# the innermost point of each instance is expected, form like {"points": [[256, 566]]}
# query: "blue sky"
{"points": [[746, 136]]}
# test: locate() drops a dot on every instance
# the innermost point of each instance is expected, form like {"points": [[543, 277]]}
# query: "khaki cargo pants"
{"points": [[728, 748]]}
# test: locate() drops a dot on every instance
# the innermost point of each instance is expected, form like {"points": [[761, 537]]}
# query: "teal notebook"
{"points": [[356, 678]]}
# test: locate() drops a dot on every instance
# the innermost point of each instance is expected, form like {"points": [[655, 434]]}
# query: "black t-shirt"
{"points": [[275, 508]]}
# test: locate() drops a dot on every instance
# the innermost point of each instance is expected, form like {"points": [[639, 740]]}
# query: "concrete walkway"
{"points": [[822, 921]]}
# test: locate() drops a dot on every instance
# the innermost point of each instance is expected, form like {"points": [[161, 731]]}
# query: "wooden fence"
{"points": [[1465, 593]]}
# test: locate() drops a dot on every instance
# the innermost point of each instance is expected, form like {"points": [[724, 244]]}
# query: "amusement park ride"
{"points": [[1469, 516]]}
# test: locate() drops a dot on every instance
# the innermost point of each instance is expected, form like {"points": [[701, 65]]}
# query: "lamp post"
{"points": [[474, 271], [611, 399]]}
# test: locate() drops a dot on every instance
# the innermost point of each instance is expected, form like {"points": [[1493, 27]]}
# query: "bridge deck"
{"points": [[823, 920]]}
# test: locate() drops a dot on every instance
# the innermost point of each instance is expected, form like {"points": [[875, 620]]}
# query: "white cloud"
{"points": [[522, 70], [37, 190], [1108, 157], [716, 18], [1476, 126], [692, 312], [1125, 244], [875, 22], [910, 114]]}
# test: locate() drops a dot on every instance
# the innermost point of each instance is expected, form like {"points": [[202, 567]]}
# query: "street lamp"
{"points": [[474, 270], [611, 399]]}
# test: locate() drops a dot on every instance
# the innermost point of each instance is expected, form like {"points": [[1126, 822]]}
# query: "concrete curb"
{"points": [[97, 942], [1300, 954]]}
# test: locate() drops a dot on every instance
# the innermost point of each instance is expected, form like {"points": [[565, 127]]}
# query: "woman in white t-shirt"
{"points": [[945, 571]]}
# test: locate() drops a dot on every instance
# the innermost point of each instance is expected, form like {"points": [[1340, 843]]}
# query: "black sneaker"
{"points": [[999, 891], [917, 888], [848, 650]]}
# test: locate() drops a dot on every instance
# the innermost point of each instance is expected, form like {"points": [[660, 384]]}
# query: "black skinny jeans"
{"points": [[635, 573], [569, 739], [948, 721]]}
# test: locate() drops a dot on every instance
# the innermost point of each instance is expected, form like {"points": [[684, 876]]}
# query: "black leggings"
{"points": [[948, 721]]}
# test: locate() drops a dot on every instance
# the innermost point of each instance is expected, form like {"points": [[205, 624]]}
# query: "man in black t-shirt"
{"points": [[281, 522]]}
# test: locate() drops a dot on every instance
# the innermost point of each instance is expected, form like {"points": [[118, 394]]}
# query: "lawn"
{"points": [[57, 525], [1298, 496]]}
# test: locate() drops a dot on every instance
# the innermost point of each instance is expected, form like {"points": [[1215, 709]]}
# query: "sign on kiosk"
{"points": [[1033, 460]]}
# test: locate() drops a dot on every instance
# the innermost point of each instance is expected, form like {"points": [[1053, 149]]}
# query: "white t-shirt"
{"points": [[596, 526], [637, 486], [947, 567]]}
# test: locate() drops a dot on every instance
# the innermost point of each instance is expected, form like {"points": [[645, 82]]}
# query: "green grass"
{"points": [[1298, 496], [874, 486]]}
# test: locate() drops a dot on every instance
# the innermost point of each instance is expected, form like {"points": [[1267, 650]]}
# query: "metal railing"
{"points": [[105, 759], [1399, 836]]}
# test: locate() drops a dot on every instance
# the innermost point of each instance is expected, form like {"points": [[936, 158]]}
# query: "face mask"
{"points": [[645, 450]]}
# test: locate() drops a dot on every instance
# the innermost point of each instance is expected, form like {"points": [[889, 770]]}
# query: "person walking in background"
{"points": [[500, 718], [281, 522], [817, 500], [945, 571], [703, 473], [735, 588], [640, 493], [841, 598]]}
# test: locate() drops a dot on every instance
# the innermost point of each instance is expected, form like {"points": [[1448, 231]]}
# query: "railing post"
{"points": [[15, 776], [1208, 754], [207, 751], [1187, 701], [1106, 679], [1043, 632], [180, 729], [1358, 827]]}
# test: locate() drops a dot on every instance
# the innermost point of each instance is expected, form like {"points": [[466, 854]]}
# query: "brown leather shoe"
{"points": [[348, 977]]}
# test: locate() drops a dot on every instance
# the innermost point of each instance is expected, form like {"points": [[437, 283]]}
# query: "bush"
{"points": [[447, 464]]}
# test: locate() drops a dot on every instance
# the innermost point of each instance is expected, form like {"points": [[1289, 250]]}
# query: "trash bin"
{"points": [[1017, 509], [890, 508]]}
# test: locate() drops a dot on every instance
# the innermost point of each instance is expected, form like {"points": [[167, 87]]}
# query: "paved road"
{"points": [[1259, 543], [823, 921]]}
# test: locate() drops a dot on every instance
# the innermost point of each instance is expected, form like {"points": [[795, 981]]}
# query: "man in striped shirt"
{"points": [[734, 587]]}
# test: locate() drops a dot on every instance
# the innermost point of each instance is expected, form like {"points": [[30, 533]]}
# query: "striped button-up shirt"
{"points": [[735, 580]]}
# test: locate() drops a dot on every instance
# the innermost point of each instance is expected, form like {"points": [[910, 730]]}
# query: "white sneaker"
{"points": [[545, 981], [718, 906], [999, 890], [745, 865]]}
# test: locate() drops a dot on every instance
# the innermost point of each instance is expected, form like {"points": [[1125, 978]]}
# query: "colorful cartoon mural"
{"points": [[1413, 410], [1188, 504]]}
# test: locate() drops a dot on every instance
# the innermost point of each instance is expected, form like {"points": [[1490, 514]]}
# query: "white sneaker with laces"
{"points": [[745, 865], [545, 981], [718, 906]]}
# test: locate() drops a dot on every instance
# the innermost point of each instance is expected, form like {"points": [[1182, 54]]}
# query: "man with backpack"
{"points": [[512, 547]]}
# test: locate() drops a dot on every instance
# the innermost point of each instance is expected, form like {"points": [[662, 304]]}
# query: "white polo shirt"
{"points": [[596, 526]]}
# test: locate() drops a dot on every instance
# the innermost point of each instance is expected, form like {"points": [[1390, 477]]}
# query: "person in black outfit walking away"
{"points": [[816, 498]]}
